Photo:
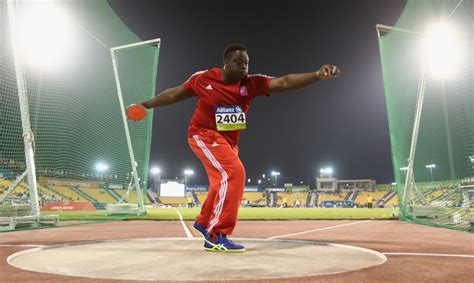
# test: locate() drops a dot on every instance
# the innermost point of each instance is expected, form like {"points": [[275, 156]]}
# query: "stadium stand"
{"points": [[152, 197], [84, 195], [292, 199], [174, 201], [67, 192], [201, 196], [361, 198], [392, 202], [328, 196], [100, 195], [4, 183], [48, 195], [195, 198], [254, 198]]}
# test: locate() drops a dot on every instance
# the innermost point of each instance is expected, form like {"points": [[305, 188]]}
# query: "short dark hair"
{"points": [[233, 47]]}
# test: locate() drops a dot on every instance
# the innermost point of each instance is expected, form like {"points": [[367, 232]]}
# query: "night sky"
{"points": [[340, 123]]}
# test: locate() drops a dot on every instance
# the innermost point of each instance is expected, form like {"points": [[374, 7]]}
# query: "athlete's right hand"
{"points": [[327, 72]]}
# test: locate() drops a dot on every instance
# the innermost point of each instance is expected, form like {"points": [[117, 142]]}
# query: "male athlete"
{"points": [[224, 96]]}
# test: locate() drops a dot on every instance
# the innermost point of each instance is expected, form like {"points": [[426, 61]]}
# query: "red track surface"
{"points": [[381, 236]]}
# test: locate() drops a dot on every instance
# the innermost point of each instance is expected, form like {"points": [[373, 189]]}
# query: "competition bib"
{"points": [[230, 118]]}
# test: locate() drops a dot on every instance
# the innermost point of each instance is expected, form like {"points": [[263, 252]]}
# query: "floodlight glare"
{"points": [[101, 167], [155, 170], [326, 171], [404, 168], [188, 172], [442, 49], [46, 35], [430, 167], [274, 173]]}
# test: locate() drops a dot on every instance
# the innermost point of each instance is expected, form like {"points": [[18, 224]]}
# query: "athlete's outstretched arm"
{"points": [[167, 97], [297, 81]]}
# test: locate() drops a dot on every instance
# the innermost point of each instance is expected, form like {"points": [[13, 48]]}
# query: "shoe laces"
{"points": [[224, 238]]}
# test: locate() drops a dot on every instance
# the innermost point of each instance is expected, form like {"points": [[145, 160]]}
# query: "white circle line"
{"points": [[37, 249], [28, 246], [430, 254]]}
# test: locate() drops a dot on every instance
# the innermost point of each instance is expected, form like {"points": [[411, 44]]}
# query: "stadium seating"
{"points": [[99, 194], [254, 198], [4, 183], [326, 197], [291, 198], [361, 198], [132, 197], [68, 192], [392, 202], [201, 197], [174, 200]]}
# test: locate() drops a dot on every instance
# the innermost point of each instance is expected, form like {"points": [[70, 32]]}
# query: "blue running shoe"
{"points": [[203, 231], [220, 243]]}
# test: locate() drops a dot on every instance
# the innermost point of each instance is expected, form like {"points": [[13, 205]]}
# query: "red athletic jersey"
{"points": [[212, 92]]}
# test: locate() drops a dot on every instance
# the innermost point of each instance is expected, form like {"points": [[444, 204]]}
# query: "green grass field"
{"points": [[244, 214]]}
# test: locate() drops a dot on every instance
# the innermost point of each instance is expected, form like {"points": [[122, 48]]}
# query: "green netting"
{"points": [[74, 109], [441, 195]]}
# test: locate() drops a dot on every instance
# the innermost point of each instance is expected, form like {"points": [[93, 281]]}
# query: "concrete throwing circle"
{"points": [[185, 259]]}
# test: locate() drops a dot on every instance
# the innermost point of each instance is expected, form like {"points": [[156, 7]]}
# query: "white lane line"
{"points": [[423, 254], [319, 229], [186, 230], [28, 246]]}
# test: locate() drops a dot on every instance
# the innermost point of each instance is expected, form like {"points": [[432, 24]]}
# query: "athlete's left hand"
{"points": [[327, 72]]}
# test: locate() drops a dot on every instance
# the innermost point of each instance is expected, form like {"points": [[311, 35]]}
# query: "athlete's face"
{"points": [[236, 64]]}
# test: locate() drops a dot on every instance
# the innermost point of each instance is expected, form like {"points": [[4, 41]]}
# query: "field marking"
{"points": [[186, 230], [318, 229], [380, 255], [29, 246], [426, 254]]}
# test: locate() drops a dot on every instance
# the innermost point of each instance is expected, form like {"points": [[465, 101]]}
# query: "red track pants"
{"points": [[226, 181]]}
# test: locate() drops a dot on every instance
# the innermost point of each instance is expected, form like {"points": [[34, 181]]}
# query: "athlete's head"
{"points": [[236, 61]]}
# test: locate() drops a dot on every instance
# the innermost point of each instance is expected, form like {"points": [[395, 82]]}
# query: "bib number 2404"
{"points": [[230, 118]]}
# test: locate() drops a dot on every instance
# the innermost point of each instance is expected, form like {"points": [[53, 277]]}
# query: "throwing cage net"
{"points": [[68, 71], [427, 64]]}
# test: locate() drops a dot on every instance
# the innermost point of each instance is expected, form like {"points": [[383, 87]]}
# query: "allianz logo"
{"points": [[228, 109]]}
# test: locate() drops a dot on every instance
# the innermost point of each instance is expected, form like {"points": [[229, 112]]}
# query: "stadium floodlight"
{"points": [[259, 181], [404, 168], [394, 184], [46, 35], [275, 174], [187, 174], [442, 49], [101, 167], [326, 172], [431, 167], [155, 170], [248, 180]]}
